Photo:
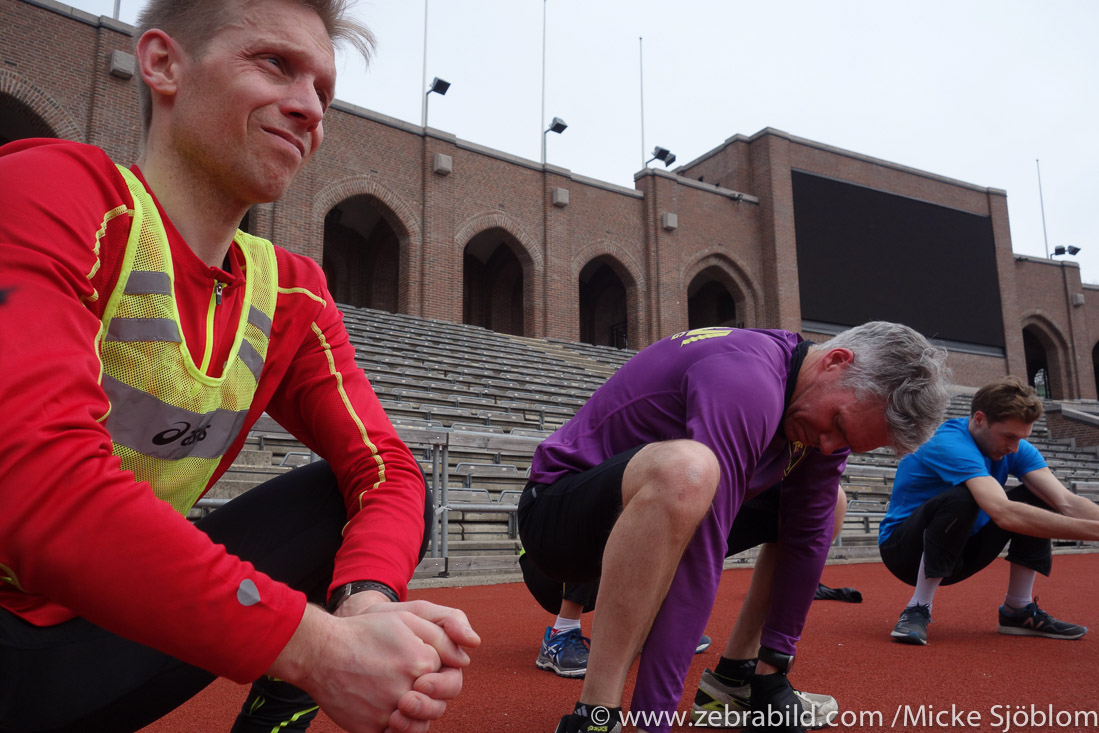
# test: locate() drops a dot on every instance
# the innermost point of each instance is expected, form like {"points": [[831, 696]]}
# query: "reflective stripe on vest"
{"points": [[170, 423]]}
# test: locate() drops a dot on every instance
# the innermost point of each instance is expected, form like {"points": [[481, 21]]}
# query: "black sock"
{"points": [[585, 710], [735, 672]]}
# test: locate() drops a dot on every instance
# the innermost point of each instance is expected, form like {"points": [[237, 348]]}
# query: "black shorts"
{"points": [[938, 533], [564, 528], [564, 525]]}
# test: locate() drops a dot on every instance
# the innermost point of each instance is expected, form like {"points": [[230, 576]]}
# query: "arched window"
{"points": [[18, 121], [492, 283], [362, 255], [710, 302], [603, 314]]}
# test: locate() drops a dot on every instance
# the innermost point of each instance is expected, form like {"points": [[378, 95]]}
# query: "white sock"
{"points": [[566, 624], [925, 587], [1020, 586]]}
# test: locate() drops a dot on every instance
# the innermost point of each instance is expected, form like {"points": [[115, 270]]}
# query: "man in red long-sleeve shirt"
{"points": [[141, 336]]}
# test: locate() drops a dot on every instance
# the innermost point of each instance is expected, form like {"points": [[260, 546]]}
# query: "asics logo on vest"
{"points": [[155, 428], [174, 433]]}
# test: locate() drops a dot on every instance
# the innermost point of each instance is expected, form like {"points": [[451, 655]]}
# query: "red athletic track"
{"points": [[846, 651]]}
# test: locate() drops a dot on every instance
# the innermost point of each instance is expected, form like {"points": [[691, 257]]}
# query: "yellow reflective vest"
{"points": [[171, 423]]}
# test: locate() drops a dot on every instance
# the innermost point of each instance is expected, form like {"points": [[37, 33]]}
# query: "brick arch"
{"points": [[527, 250], [401, 217], [1058, 355], [42, 104], [627, 270], [624, 263], [398, 214], [530, 253], [745, 291]]}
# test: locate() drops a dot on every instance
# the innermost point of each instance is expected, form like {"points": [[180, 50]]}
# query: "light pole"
{"points": [[558, 125], [439, 86]]}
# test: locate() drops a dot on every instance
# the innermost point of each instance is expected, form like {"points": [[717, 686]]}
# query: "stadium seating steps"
{"points": [[480, 401]]}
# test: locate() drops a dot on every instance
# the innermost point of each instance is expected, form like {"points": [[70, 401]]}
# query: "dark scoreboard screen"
{"points": [[866, 255]]}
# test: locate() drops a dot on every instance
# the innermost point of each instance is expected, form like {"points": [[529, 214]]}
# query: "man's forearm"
{"points": [[1082, 507], [1025, 519]]}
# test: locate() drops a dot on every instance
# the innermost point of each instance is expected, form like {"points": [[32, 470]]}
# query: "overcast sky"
{"points": [[975, 90]]}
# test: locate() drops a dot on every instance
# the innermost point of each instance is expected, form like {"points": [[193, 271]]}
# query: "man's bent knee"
{"points": [[680, 475]]}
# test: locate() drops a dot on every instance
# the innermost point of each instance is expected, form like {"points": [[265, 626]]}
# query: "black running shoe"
{"points": [[912, 626], [1033, 621]]}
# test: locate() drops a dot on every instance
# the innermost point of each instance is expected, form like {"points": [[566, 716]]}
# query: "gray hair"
{"points": [[896, 364], [194, 22]]}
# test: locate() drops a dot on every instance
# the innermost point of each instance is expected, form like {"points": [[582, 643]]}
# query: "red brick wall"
{"points": [[1055, 306], [1060, 426]]}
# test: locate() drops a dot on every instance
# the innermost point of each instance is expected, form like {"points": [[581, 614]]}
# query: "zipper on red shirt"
{"points": [[207, 352]]}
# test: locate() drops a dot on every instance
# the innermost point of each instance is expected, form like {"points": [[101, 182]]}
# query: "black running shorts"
{"points": [[564, 525]]}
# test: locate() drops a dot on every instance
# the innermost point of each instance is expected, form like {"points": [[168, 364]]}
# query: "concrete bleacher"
{"points": [[472, 404]]}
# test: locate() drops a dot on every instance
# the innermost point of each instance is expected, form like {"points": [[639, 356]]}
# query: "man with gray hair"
{"points": [[641, 489], [143, 336]]}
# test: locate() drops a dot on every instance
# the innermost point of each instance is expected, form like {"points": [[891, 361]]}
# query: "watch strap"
{"points": [[358, 586]]}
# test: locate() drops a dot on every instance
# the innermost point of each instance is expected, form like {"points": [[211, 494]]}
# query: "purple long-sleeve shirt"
{"points": [[724, 388]]}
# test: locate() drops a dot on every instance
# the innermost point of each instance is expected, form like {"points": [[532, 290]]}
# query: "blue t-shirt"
{"points": [[949, 459]]}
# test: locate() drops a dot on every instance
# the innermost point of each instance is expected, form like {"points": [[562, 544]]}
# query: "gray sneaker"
{"points": [[912, 626], [1033, 621], [718, 705]]}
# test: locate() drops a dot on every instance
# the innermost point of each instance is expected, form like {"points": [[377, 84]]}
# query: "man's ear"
{"points": [[158, 60], [837, 358]]}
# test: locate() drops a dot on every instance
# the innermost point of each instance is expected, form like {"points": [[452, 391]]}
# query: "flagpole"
{"points": [[423, 83], [641, 67], [1042, 204], [542, 120]]}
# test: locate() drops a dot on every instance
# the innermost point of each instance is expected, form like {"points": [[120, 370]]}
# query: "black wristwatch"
{"points": [[350, 589], [778, 660]]}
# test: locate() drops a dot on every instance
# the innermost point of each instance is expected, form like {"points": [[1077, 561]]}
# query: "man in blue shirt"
{"points": [[950, 515]]}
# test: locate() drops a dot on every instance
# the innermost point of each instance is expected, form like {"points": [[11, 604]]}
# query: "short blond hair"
{"points": [[194, 22]]}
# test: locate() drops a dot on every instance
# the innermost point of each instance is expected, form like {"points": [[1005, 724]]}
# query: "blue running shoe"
{"points": [[564, 652]]}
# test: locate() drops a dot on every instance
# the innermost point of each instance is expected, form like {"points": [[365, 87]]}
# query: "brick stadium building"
{"points": [[767, 231]]}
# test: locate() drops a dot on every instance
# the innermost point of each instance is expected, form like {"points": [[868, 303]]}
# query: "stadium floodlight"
{"points": [[1061, 249], [662, 154], [439, 86]]}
